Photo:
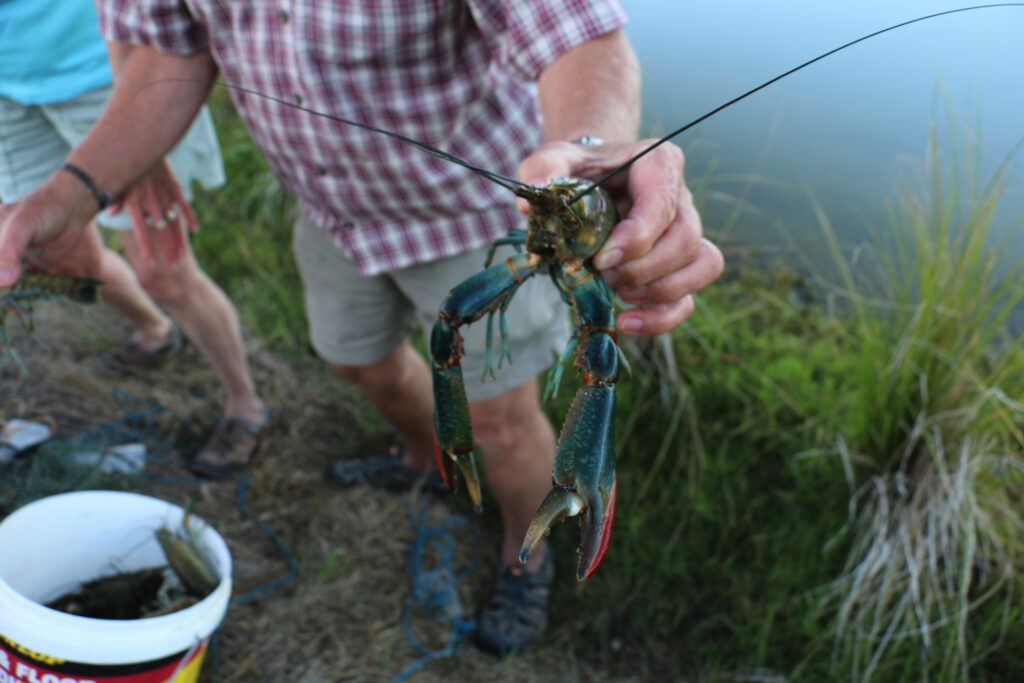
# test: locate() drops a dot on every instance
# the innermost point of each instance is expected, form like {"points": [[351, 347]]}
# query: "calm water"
{"points": [[846, 129]]}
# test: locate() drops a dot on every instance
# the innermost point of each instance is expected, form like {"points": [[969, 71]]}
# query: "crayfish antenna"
{"points": [[559, 504]]}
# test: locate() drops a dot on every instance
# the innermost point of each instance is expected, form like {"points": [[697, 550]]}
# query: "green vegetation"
{"points": [[809, 492]]}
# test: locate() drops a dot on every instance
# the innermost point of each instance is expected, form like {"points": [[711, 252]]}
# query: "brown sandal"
{"points": [[232, 447], [516, 614], [131, 355]]}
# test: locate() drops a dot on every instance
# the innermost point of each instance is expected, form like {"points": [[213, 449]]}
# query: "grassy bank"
{"points": [[812, 491]]}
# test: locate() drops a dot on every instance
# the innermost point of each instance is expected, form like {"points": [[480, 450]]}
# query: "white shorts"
{"points": [[34, 140]]}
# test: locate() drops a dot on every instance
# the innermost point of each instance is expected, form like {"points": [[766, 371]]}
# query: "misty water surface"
{"points": [[847, 128]]}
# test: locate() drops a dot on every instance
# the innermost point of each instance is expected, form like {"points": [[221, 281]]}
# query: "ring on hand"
{"points": [[149, 222], [161, 224], [172, 213]]}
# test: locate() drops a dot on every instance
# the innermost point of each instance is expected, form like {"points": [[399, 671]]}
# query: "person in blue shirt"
{"points": [[55, 77]]}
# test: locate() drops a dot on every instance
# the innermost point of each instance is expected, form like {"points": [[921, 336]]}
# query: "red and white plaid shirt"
{"points": [[456, 74]]}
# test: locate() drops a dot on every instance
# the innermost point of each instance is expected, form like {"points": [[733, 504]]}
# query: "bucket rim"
{"points": [[41, 629]]}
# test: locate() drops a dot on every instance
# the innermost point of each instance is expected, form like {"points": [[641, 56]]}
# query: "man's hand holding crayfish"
{"points": [[656, 258]]}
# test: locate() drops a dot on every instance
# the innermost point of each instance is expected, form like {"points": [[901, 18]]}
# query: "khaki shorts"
{"points": [[355, 320]]}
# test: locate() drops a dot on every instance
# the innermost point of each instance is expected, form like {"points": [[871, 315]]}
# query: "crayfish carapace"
{"points": [[567, 225]]}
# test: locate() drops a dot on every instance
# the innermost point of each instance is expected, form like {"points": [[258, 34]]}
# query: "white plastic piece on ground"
{"points": [[129, 458], [20, 435]]}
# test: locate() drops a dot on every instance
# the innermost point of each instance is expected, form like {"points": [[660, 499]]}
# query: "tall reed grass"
{"points": [[931, 439]]}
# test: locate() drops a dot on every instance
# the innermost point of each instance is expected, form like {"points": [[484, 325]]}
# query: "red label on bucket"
{"points": [[19, 664]]}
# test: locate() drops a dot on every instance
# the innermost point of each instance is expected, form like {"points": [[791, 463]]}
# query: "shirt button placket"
{"points": [[284, 15]]}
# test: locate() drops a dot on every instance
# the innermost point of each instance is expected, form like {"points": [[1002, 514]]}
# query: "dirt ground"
{"points": [[341, 618]]}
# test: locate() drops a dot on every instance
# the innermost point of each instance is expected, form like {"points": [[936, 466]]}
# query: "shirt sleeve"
{"points": [[537, 32], [164, 25]]}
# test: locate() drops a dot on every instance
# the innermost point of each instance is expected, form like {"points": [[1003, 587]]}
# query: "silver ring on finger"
{"points": [[161, 224], [172, 213], [149, 222]]}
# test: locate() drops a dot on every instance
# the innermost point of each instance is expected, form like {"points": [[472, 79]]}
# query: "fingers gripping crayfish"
{"points": [[565, 229]]}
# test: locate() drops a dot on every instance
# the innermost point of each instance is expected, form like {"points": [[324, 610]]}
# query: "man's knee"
{"points": [[498, 422], [389, 371], [357, 374]]}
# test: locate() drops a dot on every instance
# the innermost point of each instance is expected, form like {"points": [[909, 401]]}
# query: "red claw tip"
{"points": [[439, 463], [606, 533]]}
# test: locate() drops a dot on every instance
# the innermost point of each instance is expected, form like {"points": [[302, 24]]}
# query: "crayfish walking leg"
{"points": [[584, 473], [474, 297]]}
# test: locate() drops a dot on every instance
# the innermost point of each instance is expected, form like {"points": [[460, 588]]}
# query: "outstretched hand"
{"points": [[656, 257]]}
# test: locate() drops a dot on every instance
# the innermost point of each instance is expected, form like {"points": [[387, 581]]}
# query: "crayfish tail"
{"points": [[560, 503]]}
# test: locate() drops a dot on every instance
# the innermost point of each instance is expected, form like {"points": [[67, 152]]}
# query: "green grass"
{"points": [[931, 434], [244, 241], [829, 493]]}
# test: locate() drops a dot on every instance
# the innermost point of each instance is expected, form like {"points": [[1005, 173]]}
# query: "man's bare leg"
{"points": [[399, 386]]}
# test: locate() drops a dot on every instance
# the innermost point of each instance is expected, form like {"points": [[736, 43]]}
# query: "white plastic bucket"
{"points": [[50, 547]]}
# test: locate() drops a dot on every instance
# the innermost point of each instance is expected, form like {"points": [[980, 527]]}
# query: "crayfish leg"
{"points": [[584, 471]]}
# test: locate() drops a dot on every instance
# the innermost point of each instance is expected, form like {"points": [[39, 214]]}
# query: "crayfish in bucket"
{"points": [[567, 226]]}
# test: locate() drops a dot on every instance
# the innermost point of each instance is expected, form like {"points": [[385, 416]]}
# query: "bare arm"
{"points": [[156, 201], [154, 100], [594, 90]]}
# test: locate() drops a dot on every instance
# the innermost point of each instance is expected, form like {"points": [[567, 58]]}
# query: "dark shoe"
{"points": [[383, 472], [231, 447], [131, 356], [516, 614]]}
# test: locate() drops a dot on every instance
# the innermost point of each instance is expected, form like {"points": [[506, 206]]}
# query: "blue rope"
{"points": [[241, 498], [430, 566], [241, 494]]}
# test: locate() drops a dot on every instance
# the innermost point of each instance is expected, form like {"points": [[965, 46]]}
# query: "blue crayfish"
{"points": [[567, 226]]}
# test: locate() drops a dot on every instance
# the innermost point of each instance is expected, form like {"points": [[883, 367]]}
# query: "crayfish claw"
{"points": [[467, 468], [560, 503], [596, 528], [450, 465]]}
